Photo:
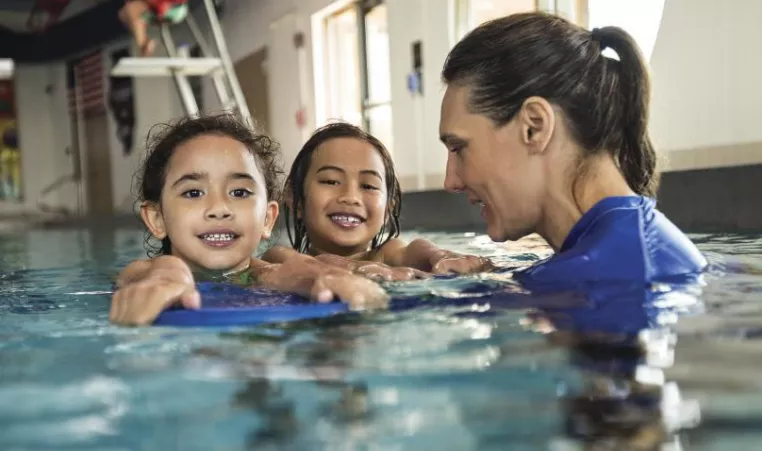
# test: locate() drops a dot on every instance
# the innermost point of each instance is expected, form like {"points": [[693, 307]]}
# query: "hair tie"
{"points": [[598, 36]]}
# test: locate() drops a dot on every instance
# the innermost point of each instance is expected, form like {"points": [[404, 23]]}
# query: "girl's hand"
{"points": [[168, 281], [381, 272], [321, 282], [358, 292], [452, 263]]}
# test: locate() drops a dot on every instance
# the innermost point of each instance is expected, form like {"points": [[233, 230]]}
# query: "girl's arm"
{"points": [[281, 254], [278, 254], [146, 288], [165, 266], [311, 278], [134, 271], [425, 256], [370, 269]]}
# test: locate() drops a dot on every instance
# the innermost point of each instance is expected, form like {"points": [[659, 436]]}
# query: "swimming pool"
{"points": [[460, 377]]}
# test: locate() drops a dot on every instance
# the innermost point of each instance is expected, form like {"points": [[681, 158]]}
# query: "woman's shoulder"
{"points": [[622, 239]]}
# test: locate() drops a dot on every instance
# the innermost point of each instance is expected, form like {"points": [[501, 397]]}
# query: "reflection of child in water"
{"points": [[138, 14], [324, 362]]}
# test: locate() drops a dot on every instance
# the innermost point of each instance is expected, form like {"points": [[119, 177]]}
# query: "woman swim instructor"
{"points": [[550, 137]]}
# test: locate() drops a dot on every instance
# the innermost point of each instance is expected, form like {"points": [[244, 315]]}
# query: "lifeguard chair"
{"points": [[180, 65]]}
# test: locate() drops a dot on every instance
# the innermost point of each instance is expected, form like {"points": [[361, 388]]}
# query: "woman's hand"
{"points": [[452, 263], [168, 281], [381, 272]]}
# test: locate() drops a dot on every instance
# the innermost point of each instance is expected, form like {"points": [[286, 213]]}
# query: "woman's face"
{"points": [[498, 167]]}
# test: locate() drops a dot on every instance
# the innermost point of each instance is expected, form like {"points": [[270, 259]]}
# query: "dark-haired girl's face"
{"points": [[214, 205], [345, 196], [494, 166]]}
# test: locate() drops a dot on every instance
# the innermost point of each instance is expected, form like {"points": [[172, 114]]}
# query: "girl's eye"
{"points": [[328, 182], [192, 193], [241, 192], [369, 187]]}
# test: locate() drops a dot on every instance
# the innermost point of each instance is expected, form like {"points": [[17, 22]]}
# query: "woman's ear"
{"points": [[153, 219], [537, 120]]}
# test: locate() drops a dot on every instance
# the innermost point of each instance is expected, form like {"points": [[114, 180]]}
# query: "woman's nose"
{"points": [[452, 182]]}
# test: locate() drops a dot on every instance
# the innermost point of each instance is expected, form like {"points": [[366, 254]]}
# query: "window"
{"points": [[352, 67], [472, 13], [484, 10], [377, 106], [342, 74], [640, 18]]}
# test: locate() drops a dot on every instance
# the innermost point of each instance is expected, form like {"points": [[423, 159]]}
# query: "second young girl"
{"points": [[208, 193], [343, 203]]}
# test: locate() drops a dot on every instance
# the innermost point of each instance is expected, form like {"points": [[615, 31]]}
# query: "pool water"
{"points": [[445, 377]]}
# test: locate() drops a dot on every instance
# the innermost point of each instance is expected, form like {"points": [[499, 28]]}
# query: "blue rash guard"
{"points": [[621, 240]]}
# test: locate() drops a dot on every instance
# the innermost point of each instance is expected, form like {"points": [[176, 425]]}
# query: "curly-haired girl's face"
{"points": [[214, 206]]}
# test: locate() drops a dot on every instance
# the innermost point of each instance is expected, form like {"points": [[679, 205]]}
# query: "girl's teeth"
{"points": [[218, 237], [341, 218]]}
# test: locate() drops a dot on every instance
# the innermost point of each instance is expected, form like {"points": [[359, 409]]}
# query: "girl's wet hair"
{"points": [[294, 186], [605, 102], [164, 139]]}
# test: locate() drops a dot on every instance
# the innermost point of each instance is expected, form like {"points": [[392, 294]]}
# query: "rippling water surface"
{"points": [[461, 377]]}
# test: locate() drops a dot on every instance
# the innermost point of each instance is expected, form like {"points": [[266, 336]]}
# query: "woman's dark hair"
{"points": [[294, 186], [605, 101], [161, 144]]}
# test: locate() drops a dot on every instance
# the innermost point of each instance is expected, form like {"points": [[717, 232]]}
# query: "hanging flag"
{"points": [[85, 80]]}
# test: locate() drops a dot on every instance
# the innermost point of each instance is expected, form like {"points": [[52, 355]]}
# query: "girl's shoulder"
{"points": [[379, 253]]}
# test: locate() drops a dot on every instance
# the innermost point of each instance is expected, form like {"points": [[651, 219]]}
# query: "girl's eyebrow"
{"points": [[242, 175], [330, 168], [336, 168], [372, 172], [192, 176], [195, 176]]}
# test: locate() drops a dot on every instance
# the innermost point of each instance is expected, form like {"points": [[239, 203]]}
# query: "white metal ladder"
{"points": [[181, 66]]}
